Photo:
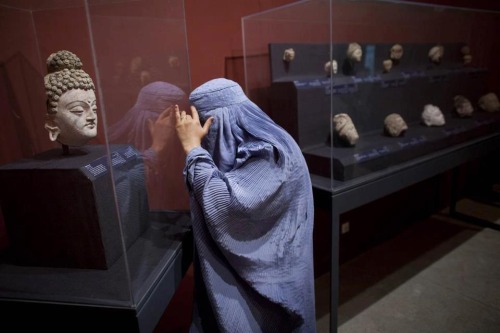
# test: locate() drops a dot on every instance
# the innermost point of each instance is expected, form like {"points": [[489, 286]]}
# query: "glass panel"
{"points": [[296, 94], [410, 83], [444, 52], [102, 222], [268, 34], [286, 50], [141, 52]]}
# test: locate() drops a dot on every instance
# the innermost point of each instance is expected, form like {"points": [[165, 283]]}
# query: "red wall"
{"points": [[214, 34]]}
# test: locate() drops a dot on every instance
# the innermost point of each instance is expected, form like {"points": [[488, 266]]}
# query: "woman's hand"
{"points": [[189, 129], [162, 130]]}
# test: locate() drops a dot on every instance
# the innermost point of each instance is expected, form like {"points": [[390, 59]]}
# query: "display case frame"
{"points": [[87, 240], [303, 98]]}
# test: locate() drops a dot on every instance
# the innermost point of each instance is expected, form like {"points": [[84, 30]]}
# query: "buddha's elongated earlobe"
{"points": [[54, 130]]}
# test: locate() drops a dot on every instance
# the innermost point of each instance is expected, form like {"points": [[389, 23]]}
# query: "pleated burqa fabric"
{"points": [[252, 212]]}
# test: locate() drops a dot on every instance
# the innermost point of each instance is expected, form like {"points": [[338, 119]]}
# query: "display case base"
{"points": [[60, 210], [129, 297]]}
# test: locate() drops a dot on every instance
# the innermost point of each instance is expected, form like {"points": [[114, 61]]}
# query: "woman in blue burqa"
{"points": [[252, 214], [150, 127]]}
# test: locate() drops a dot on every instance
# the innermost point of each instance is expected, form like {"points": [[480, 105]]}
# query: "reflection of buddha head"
{"points": [[354, 52], [71, 102], [463, 106], [173, 61], [394, 125], [135, 65], [344, 128], [432, 116]]}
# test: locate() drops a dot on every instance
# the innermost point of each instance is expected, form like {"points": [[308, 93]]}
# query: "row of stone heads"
{"points": [[395, 125]]}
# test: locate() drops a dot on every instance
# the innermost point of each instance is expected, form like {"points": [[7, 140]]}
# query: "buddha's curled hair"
{"points": [[64, 73]]}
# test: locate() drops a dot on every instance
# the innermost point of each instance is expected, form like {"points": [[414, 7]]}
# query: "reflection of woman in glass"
{"points": [[71, 105], [150, 127]]}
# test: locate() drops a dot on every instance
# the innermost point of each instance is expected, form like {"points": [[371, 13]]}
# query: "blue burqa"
{"points": [[252, 212]]}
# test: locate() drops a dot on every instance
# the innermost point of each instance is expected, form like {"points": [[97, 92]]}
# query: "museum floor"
{"points": [[439, 275]]}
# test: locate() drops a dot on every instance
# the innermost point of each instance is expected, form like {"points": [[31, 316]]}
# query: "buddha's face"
{"points": [[75, 122]]}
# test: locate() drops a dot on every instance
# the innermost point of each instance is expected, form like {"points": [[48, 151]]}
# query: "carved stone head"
{"points": [[387, 65], [354, 52], [432, 116], [396, 52], [489, 102], [331, 67], [436, 54], [289, 55], [344, 129], [71, 102], [463, 106], [394, 125]]}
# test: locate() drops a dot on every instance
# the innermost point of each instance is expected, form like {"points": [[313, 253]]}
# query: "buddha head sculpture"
{"points": [[432, 116], [354, 52], [394, 125], [289, 55], [489, 102], [331, 67], [71, 102], [396, 53], [344, 129], [463, 106], [436, 54]]}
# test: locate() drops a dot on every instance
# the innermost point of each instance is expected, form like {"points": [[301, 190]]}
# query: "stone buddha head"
{"points": [[71, 117]]}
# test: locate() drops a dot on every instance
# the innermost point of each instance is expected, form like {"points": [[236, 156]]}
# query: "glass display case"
{"points": [[379, 95], [97, 233], [412, 57]]}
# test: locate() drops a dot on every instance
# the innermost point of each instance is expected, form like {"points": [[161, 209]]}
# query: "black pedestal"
{"points": [[61, 210]]}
